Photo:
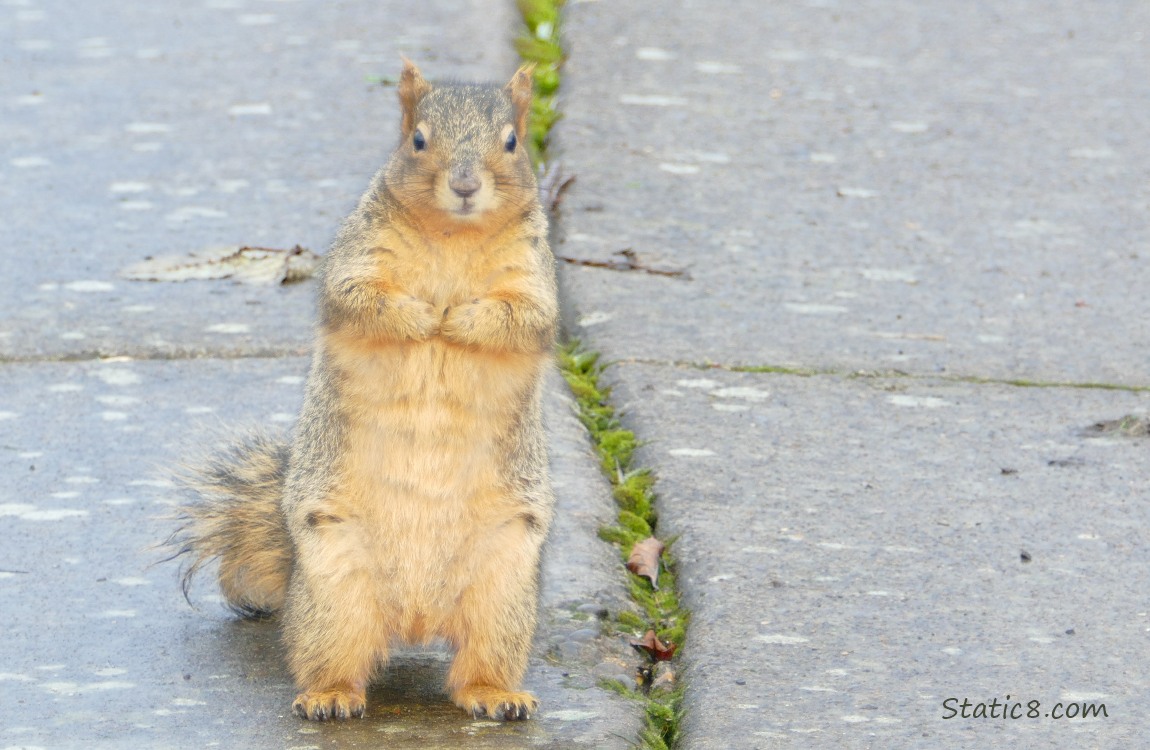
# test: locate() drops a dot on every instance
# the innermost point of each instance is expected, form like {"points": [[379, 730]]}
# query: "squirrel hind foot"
{"points": [[335, 703], [501, 705]]}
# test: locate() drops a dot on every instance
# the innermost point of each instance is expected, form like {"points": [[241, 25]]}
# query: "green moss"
{"points": [[1022, 383], [616, 535], [660, 712], [617, 687], [539, 51], [653, 739], [581, 387], [575, 359], [800, 371], [631, 621], [538, 12], [615, 448], [634, 523], [634, 491], [899, 374], [633, 488], [664, 714], [540, 43]]}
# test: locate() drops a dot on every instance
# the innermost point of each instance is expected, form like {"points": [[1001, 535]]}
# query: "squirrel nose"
{"points": [[464, 184]]}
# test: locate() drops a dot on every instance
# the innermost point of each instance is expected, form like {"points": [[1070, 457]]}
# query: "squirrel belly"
{"points": [[413, 500], [434, 475]]}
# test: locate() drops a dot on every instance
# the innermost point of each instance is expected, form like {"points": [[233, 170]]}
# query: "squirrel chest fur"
{"points": [[413, 500]]}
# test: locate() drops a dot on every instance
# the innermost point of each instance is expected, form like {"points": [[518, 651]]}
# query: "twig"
{"points": [[630, 262]]}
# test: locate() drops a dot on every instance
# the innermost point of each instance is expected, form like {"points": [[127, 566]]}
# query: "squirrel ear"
{"points": [[412, 88], [520, 89]]}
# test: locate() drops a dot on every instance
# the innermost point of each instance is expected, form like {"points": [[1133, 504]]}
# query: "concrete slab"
{"points": [[858, 552], [100, 649], [929, 187], [131, 131]]}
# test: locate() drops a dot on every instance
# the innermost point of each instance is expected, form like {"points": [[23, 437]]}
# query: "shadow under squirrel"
{"points": [[413, 499]]}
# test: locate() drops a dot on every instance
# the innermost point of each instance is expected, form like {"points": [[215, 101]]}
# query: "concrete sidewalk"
{"points": [[933, 196], [159, 129]]}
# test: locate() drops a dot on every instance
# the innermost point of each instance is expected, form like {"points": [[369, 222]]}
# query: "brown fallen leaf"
{"points": [[653, 647], [644, 560], [251, 265]]}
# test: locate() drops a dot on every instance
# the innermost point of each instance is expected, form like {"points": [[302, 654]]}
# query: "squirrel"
{"points": [[413, 499]]}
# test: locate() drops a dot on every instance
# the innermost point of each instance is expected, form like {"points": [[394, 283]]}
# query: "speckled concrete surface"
{"points": [[853, 551], [932, 187], [938, 189], [101, 650], [149, 129], [944, 190], [132, 130]]}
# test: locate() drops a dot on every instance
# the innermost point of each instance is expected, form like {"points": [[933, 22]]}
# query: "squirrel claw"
{"points": [[329, 704], [497, 704], [513, 711]]}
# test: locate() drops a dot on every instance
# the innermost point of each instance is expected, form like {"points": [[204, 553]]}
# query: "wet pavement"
{"points": [[902, 201], [901, 215], [103, 651], [131, 132], [935, 188], [883, 546]]}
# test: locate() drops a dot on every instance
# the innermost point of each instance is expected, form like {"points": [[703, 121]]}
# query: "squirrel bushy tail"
{"points": [[238, 521]]}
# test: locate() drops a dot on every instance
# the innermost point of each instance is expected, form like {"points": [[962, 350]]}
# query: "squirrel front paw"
{"points": [[411, 317], [461, 323]]}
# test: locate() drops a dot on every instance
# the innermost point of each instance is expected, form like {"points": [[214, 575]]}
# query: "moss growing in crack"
{"points": [[615, 448], [1022, 383], [633, 489], [539, 43], [617, 687], [778, 370], [635, 524], [617, 535], [664, 713], [631, 621], [901, 375]]}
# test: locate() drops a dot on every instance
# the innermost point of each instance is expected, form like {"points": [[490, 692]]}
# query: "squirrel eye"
{"points": [[418, 141], [511, 141]]}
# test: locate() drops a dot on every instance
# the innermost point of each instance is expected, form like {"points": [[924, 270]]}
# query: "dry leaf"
{"points": [[644, 560], [251, 265], [653, 647]]}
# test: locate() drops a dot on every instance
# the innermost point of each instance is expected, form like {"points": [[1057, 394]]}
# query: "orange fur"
{"points": [[415, 501]]}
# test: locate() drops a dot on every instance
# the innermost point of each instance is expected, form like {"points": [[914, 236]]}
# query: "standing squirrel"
{"points": [[413, 499]]}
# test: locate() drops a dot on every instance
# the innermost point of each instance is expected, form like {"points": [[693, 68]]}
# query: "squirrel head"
{"points": [[461, 156]]}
